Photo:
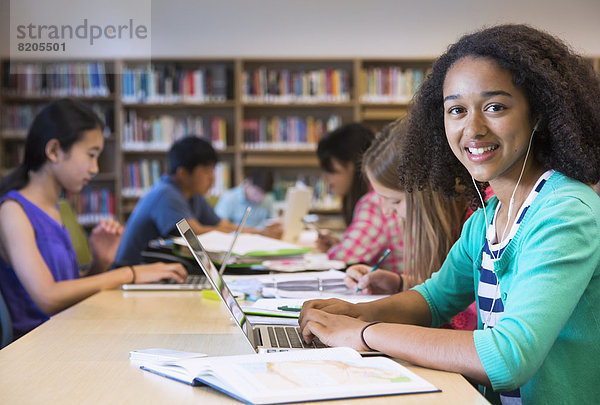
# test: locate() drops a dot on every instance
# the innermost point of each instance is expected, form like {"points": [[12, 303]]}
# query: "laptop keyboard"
{"points": [[192, 279], [195, 279], [290, 337]]}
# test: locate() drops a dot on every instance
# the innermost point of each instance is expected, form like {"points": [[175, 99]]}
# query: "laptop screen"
{"points": [[213, 275], [297, 204]]}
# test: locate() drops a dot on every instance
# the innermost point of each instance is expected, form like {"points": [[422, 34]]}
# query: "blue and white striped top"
{"points": [[488, 291]]}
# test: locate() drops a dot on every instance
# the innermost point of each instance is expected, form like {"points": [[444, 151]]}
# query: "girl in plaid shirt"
{"points": [[432, 224], [370, 231]]}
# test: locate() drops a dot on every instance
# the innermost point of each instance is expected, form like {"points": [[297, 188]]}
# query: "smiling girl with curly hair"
{"points": [[512, 107]]}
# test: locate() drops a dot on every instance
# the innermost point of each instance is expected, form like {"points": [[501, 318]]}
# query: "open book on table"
{"points": [[296, 376]]}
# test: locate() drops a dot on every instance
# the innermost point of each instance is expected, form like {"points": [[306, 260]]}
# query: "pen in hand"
{"points": [[379, 262]]}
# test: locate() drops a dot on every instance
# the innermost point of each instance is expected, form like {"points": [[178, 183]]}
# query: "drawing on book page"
{"points": [[304, 374]]}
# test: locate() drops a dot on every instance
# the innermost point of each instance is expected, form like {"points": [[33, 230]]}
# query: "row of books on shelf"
{"points": [[223, 178], [288, 133], [158, 133], [170, 83], [390, 84], [139, 176], [92, 205], [77, 79], [178, 83], [323, 198], [285, 86], [17, 118]]}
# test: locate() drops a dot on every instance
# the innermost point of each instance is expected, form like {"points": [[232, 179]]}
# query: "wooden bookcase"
{"points": [[262, 113]]}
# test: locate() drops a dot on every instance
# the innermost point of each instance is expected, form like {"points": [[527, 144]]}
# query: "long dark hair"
{"points": [[347, 144], [64, 120]]}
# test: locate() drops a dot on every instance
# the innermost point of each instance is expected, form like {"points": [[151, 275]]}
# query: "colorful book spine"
{"points": [[392, 84], [17, 118], [139, 176], [286, 133], [323, 197], [93, 205], [159, 133], [77, 79], [167, 83], [268, 85], [222, 179]]}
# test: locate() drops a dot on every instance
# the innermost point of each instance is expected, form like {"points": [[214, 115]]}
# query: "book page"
{"points": [[181, 370], [315, 376]]}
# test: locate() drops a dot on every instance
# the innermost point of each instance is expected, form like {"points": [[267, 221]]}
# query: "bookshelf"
{"points": [[286, 106], [162, 102], [265, 113]]}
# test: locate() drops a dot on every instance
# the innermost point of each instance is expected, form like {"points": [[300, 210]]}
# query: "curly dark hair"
{"points": [[562, 90]]}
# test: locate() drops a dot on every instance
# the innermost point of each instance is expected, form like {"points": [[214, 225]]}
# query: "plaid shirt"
{"points": [[369, 235]]}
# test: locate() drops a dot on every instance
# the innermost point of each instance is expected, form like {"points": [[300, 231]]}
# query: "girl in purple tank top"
{"points": [[39, 274]]}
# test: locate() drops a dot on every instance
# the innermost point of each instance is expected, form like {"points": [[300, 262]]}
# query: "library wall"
{"points": [[344, 28]]}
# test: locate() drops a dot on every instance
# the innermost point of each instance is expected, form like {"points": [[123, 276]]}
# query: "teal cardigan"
{"points": [[548, 341]]}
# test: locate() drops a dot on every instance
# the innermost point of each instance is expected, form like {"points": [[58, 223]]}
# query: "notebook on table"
{"points": [[262, 338], [193, 281]]}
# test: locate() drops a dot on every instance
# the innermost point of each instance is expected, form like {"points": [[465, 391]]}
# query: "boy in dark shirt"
{"points": [[191, 165]]}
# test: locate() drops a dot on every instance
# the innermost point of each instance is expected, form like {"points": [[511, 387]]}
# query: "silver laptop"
{"points": [[297, 205], [262, 338], [193, 281]]}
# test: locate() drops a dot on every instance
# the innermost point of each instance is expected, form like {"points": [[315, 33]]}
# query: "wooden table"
{"points": [[81, 354]]}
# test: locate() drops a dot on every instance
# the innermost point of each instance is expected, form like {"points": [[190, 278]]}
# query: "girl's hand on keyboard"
{"points": [[333, 330], [148, 273]]}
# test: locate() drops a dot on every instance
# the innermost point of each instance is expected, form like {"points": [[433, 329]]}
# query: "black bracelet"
{"points": [[362, 334], [133, 272]]}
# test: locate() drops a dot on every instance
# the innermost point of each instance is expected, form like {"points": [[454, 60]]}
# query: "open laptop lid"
{"points": [[215, 279], [235, 238], [297, 205]]}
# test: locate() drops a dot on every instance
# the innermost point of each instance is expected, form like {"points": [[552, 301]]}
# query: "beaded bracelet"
{"points": [[133, 272], [362, 334]]}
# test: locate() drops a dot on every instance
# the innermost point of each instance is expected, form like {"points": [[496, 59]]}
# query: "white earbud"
{"points": [[512, 197]]}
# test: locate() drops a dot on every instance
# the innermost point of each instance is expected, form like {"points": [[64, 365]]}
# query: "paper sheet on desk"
{"points": [[342, 293], [246, 244], [275, 303], [284, 277]]}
